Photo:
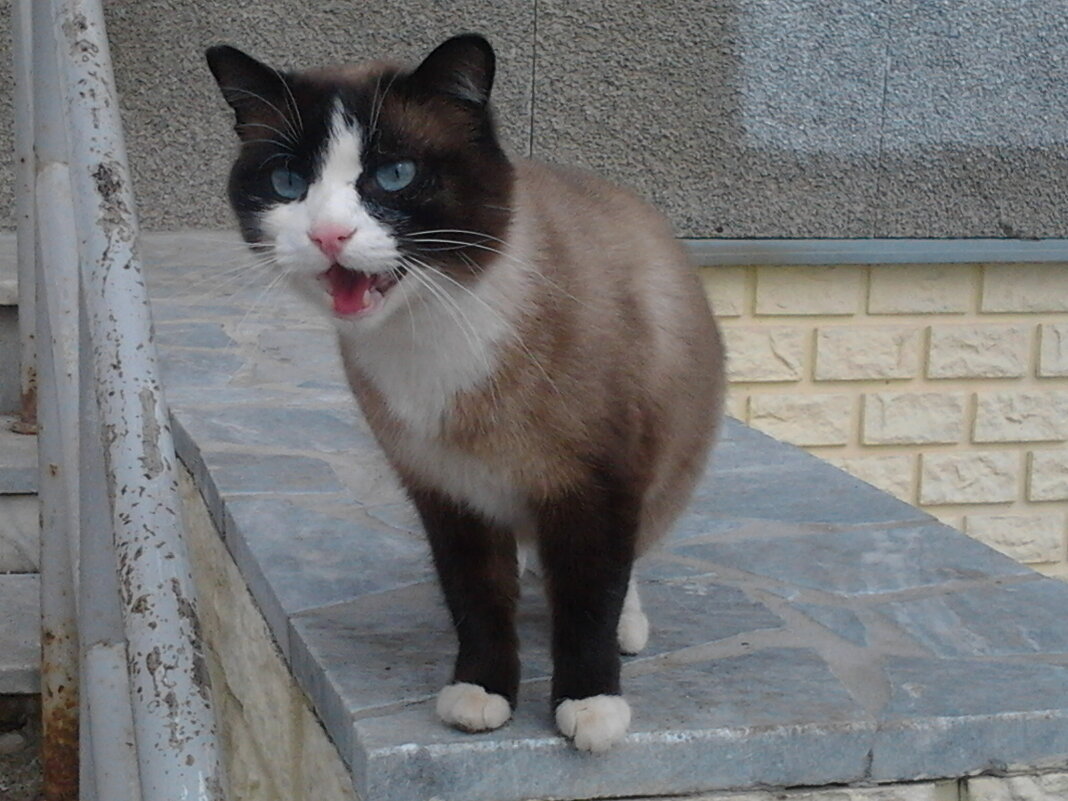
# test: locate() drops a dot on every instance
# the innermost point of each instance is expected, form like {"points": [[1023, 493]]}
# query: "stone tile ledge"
{"points": [[808, 629]]}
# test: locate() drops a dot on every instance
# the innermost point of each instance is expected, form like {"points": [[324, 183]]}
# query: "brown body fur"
{"points": [[616, 356]]}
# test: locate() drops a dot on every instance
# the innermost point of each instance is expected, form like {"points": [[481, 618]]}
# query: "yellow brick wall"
{"points": [[946, 385]]}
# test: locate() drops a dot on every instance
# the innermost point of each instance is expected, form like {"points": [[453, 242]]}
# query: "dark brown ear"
{"points": [[258, 94], [461, 67]]}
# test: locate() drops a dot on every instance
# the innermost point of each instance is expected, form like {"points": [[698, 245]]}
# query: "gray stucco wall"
{"points": [[741, 118]]}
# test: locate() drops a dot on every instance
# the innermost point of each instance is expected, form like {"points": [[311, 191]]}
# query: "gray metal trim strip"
{"points": [[714, 252]]}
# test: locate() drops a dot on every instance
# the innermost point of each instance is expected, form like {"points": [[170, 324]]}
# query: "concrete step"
{"points": [[18, 460], [19, 534], [20, 647]]}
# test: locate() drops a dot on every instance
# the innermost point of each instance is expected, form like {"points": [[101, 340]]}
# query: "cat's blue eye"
{"points": [[287, 183], [395, 176]]}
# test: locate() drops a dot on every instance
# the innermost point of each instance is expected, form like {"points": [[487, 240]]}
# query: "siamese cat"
{"points": [[530, 345]]}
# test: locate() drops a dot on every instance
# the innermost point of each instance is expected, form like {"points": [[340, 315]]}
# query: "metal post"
{"points": [[56, 307], [114, 757], [175, 732], [25, 168], [109, 752]]}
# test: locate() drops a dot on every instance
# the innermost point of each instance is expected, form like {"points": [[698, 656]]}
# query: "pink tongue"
{"points": [[348, 289]]}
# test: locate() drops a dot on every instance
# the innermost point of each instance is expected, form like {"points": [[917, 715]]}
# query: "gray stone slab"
{"points": [[20, 647], [843, 622], [955, 717], [692, 611], [764, 718], [20, 534], [299, 553], [742, 448], [200, 368], [18, 460], [864, 561], [1028, 620], [167, 311], [193, 335], [259, 474], [404, 643], [798, 491], [278, 427]]}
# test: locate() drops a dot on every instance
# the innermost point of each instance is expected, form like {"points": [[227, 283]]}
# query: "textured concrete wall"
{"points": [[945, 385], [742, 118]]}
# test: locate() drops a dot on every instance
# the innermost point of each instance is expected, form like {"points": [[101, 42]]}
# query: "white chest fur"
{"points": [[445, 339], [441, 340]]}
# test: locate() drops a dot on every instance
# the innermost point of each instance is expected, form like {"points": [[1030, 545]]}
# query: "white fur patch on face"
{"points": [[331, 200], [595, 723], [470, 708]]}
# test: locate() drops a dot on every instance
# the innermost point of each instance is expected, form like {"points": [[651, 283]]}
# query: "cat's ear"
{"points": [[461, 67], [257, 93]]}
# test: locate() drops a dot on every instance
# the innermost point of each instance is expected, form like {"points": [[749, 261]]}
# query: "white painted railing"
{"points": [[125, 693]]}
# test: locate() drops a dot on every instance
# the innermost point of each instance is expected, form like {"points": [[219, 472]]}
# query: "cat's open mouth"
{"points": [[357, 293]]}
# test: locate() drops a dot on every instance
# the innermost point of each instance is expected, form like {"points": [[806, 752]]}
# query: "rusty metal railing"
{"points": [[125, 693]]}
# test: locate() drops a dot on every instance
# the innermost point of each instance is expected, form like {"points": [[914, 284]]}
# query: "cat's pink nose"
{"points": [[330, 239]]}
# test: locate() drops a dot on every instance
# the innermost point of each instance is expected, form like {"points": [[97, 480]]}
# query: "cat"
{"points": [[530, 346]]}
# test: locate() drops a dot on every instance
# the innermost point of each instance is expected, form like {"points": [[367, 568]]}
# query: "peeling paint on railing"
{"points": [[174, 728]]}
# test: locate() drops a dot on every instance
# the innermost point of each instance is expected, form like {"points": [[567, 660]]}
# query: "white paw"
{"points": [[522, 556], [595, 723], [471, 708], [633, 631]]}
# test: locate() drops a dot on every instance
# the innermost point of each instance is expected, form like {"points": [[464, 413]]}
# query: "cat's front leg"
{"points": [[586, 542], [476, 565]]}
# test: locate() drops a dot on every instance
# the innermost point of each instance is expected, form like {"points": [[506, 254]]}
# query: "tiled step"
{"points": [[19, 636]]}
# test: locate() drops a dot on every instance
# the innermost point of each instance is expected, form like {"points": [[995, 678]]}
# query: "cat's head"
{"points": [[365, 183]]}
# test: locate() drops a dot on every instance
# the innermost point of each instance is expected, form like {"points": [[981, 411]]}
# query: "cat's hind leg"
{"points": [[633, 629], [476, 565]]}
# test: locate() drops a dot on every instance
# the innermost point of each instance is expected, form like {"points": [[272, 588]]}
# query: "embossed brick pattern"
{"points": [[1048, 479], [804, 419], [853, 353], [808, 290], [1021, 417], [978, 351], [921, 289], [1028, 538], [892, 473], [1053, 353], [727, 290], [1025, 288], [938, 360], [977, 477], [1041, 787], [900, 418], [764, 353]]}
